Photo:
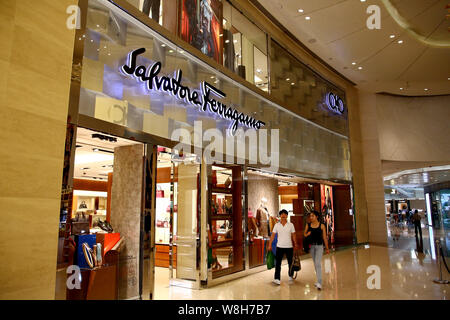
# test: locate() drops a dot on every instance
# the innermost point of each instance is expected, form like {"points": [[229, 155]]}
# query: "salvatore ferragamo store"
{"points": [[189, 129]]}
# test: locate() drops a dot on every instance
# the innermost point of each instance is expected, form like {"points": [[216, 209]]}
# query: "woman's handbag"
{"points": [[296, 265], [83, 205]]}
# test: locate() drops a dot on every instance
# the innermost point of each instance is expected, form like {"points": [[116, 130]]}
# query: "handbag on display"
{"points": [[296, 265], [83, 205], [80, 225]]}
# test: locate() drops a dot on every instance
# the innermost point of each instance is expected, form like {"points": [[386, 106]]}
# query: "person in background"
{"points": [[318, 237], [286, 244], [417, 225]]}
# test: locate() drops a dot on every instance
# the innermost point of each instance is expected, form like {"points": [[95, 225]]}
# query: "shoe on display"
{"points": [[276, 281], [318, 286], [108, 226], [101, 225]]}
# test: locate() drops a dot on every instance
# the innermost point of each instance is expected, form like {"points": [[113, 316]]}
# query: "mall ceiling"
{"points": [[409, 55], [418, 177]]}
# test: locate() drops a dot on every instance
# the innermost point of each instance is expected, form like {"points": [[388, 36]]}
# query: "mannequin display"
{"points": [[262, 219], [252, 227], [272, 222], [152, 5]]}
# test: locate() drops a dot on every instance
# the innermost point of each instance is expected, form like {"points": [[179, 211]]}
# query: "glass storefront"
{"points": [[198, 221]]}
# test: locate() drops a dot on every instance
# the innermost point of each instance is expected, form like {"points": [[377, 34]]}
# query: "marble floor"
{"points": [[405, 273]]}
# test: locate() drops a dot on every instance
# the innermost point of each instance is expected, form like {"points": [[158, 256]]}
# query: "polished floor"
{"points": [[405, 274]]}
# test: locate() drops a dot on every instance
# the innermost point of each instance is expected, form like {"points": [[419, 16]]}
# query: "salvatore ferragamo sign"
{"points": [[203, 99]]}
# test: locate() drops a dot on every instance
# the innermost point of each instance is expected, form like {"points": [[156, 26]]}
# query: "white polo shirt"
{"points": [[284, 234]]}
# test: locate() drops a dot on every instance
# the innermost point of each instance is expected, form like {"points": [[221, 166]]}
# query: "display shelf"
{"points": [[222, 190], [222, 244], [221, 217]]}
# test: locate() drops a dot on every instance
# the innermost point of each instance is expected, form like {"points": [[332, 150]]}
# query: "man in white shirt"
{"points": [[286, 237]]}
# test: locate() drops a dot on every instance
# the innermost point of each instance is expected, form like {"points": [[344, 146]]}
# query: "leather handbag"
{"points": [[83, 205], [296, 265], [80, 225]]}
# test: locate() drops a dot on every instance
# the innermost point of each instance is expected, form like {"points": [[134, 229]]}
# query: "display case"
{"points": [[225, 236]]}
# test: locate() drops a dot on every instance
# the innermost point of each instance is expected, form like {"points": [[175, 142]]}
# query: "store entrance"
{"points": [[100, 220], [176, 225]]}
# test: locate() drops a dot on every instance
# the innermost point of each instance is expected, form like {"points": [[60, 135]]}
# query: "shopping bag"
{"points": [[270, 259], [210, 257], [274, 244]]}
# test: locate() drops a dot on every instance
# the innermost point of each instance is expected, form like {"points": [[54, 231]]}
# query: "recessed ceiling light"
{"points": [[308, 18], [288, 79], [227, 41], [426, 89], [292, 83], [400, 41], [363, 0], [300, 10], [392, 36], [401, 88], [448, 78], [359, 68], [171, 51], [353, 63]]}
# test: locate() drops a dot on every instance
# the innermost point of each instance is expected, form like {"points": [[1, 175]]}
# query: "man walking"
{"points": [[286, 237]]}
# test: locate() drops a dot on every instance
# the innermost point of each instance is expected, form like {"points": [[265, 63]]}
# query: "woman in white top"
{"points": [[286, 237]]}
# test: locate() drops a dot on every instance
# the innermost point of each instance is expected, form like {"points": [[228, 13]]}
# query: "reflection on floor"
{"points": [[405, 274]]}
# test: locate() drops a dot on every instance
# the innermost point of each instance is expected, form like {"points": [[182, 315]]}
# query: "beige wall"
{"points": [[414, 129], [35, 67]]}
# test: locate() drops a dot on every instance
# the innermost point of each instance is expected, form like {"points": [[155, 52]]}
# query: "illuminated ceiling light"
{"points": [[300, 10], [426, 89], [163, 45], [235, 41], [227, 41], [392, 36], [221, 35], [181, 51], [171, 51], [353, 63], [363, 0], [292, 83], [308, 18], [400, 41], [401, 88], [212, 77], [288, 79], [360, 68]]}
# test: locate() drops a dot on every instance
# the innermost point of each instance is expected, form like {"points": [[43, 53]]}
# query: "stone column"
{"points": [[126, 207], [372, 168]]}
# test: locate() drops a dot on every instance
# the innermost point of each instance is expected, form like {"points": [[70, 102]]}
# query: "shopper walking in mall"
{"points": [[317, 234], [417, 225], [286, 244]]}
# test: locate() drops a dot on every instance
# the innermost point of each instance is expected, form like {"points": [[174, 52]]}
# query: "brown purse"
{"points": [[80, 225]]}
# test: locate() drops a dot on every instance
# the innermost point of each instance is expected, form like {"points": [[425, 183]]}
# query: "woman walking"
{"points": [[317, 234]]}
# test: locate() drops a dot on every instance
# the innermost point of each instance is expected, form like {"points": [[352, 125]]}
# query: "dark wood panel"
{"points": [[343, 221]]}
